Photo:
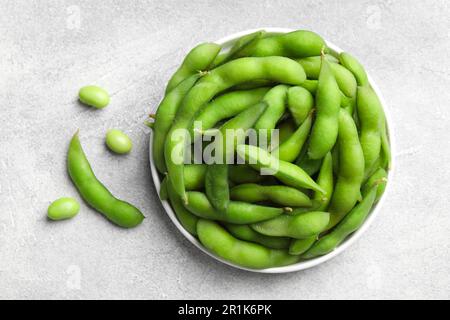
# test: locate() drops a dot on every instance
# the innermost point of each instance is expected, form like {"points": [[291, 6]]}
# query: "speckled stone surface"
{"points": [[49, 49]]}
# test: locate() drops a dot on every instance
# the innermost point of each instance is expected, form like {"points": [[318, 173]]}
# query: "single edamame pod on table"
{"points": [[351, 170], [94, 96], [237, 212], [95, 193], [352, 222], [328, 100], [300, 103], [63, 208], [286, 172], [281, 195], [243, 253], [301, 226], [237, 71], [198, 59], [118, 142], [244, 232]]}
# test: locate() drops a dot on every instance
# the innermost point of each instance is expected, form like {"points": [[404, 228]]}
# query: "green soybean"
{"points": [[118, 142], [379, 177], [281, 195], [63, 208], [244, 232], [300, 103], [186, 218], [325, 128], [194, 176], [301, 226], [198, 59], [237, 212], [288, 173], [216, 186], [94, 96], [243, 173], [353, 65], [300, 246], [326, 181], [243, 253], [94, 192], [352, 222]]}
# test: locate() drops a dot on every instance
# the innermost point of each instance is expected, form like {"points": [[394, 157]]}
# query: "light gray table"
{"points": [[48, 49]]}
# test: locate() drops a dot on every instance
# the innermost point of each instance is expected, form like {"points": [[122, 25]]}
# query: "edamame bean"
{"points": [[326, 181], [300, 103], [300, 246], [301, 226], [118, 142], [325, 128], [198, 59], [94, 96], [165, 116], [344, 78], [370, 117], [353, 65], [94, 192], [378, 178], [244, 232], [194, 176], [236, 212], [290, 149], [286, 172], [63, 208], [281, 195], [243, 253], [237, 71], [351, 170], [352, 221], [296, 44], [228, 105], [186, 219], [216, 186]]}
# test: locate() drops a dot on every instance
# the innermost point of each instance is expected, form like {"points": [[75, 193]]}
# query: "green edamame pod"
{"points": [[94, 192], [236, 212], [326, 181], [216, 186], [243, 173], [353, 65], [165, 115], [370, 117], [328, 101], [351, 170], [352, 221], [299, 246], [286, 129], [243, 253], [301, 226], [244, 232], [237, 71], [281, 195], [385, 156], [239, 45], [310, 85], [187, 219], [378, 178], [296, 44], [300, 103], [344, 78], [163, 193], [290, 149], [194, 176], [286, 172], [348, 104], [198, 59], [310, 166], [228, 105], [276, 105]]}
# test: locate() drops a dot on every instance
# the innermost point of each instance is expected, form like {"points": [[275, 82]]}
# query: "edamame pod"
{"points": [[237, 71], [187, 219], [94, 192], [328, 100], [244, 232], [301, 226], [243, 173], [236, 212], [281, 195], [299, 246], [216, 186], [286, 129], [351, 170], [300, 103], [352, 222], [378, 178], [243, 253], [194, 176], [165, 115], [288, 173], [353, 65], [326, 181], [198, 59]]}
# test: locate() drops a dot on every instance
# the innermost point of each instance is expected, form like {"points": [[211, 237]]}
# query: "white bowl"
{"points": [[227, 42]]}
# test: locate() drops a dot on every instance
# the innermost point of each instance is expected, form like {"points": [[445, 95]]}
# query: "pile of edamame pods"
{"points": [[312, 184]]}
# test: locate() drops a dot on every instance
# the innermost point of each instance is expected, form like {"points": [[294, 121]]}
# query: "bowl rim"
{"points": [[302, 265]]}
